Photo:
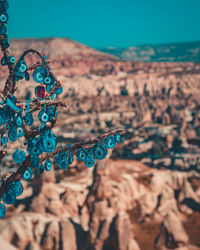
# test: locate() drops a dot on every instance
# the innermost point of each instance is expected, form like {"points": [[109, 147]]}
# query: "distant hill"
{"points": [[174, 52]]}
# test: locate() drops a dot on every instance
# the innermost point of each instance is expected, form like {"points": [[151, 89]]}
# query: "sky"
{"points": [[106, 23]]}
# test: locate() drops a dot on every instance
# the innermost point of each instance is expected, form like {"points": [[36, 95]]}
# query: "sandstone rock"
{"points": [[172, 233]]}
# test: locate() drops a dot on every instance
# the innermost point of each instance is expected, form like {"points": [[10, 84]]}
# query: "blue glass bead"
{"points": [[59, 91], [12, 134], [11, 60], [34, 147], [47, 80], [61, 157], [4, 115], [2, 210], [27, 76], [4, 139], [48, 165], [81, 154], [110, 141], [48, 142], [19, 156], [27, 174], [3, 61], [3, 29], [5, 43], [89, 161], [99, 151], [9, 197], [117, 137], [43, 116], [41, 169], [28, 119], [64, 164], [35, 161], [70, 158], [17, 188], [39, 74], [20, 132], [18, 120], [3, 17]]}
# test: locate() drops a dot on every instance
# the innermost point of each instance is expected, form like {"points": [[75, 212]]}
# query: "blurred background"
{"points": [[123, 64]]}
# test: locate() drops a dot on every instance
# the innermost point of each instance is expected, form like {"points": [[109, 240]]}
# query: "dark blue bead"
{"points": [[19, 156], [2, 210], [17, 188], [27, 174], [3, 29], [48, 165], [9, 197], [89, 161], [64, 164], [35, 161], [41, 169], [3, 61], [71, 158], [110, 141], [27, 76], [12, 133], [28, 119]]}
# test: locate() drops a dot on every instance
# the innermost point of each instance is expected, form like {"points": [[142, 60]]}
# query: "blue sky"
{"points": [[104, 23]]}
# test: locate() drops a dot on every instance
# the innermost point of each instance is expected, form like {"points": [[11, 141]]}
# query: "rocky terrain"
{"points": [[146, 193], [172, 52]]}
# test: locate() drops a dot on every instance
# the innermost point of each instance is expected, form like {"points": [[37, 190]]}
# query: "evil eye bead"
{"points": [[110, 141], [34, 147], [3, 29], [70, 158], [20, 132], [17, 188], [89, 161], [23, 66], [3, 17], [28, 119], [81, 154], [11, 60], [64, 164], [48, 143], [12, 134], [48, 165], [99, 151], [19, 156], [4, 139], [2, 210], [41, 169], [44, 117], [47, 80], [9, 197], [18, 120], [39, 74], [27, 174], [117, 137]]}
